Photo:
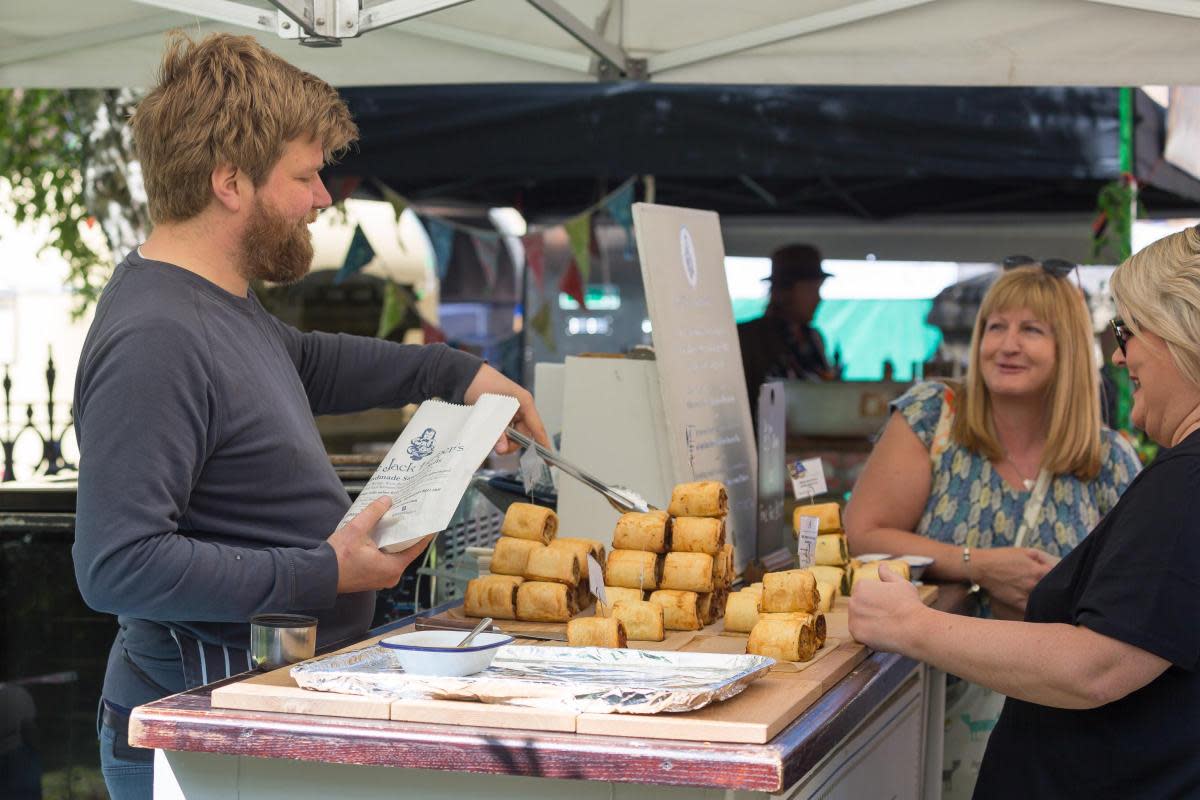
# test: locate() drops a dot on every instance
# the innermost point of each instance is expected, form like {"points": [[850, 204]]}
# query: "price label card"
{"points": [[806, 540], [596, 579], [808, 478]]}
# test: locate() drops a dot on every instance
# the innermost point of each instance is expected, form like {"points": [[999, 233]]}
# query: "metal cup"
{"points": [[277, 640]]}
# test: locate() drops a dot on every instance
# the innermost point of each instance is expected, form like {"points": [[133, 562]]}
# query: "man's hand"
{"points": [[882, 612], [527, 420], [362, 566]]}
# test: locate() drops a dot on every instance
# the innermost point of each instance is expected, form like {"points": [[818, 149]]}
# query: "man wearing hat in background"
{"points": [[782, 344]]}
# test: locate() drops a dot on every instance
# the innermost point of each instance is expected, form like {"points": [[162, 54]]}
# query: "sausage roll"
{"points": [[527, 521], [699, 499], [492, 596], [649, 531]]}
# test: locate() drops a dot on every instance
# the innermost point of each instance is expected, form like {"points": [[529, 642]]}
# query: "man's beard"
{"points": [[274, 248]]}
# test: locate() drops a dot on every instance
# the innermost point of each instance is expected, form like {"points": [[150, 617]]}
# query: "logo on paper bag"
{"points": [[687, 250], [422, 446]]}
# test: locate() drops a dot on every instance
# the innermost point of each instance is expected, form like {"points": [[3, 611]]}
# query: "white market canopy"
{"points": [[112, 43]]}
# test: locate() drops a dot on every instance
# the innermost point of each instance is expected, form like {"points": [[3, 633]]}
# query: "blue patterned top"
{"points": [[967, 492]]}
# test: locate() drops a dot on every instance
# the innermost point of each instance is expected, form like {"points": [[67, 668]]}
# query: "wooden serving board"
{"points": [[735, 645], [753, 717], [456, 616]]}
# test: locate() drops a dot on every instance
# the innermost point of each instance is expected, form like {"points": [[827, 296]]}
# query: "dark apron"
{"points": [[202, 663]]}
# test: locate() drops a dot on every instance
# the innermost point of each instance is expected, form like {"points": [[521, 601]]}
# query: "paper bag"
{"points": [[428, 469]]}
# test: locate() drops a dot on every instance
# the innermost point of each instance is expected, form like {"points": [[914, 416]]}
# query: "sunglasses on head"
{"points": [[1058, 267], [1121, 332]]}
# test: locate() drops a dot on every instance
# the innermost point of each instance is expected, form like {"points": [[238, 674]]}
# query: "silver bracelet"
{"points": [[967, 568]]}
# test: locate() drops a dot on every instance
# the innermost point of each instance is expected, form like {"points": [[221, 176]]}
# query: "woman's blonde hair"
{"points": [[1158, 288], [227, 100], [1073, 396]]}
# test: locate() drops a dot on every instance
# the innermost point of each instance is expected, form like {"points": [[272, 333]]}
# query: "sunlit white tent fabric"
{"points": [[860, 42]]}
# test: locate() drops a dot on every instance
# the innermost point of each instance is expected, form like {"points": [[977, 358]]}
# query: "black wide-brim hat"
{"points": [[794, 263]]}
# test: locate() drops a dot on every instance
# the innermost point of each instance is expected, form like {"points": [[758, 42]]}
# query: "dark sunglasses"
{"points": [[1121, 332], [1058, 267]]}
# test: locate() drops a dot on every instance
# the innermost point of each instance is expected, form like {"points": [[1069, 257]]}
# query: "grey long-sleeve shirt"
{"points": [[205, 493]]}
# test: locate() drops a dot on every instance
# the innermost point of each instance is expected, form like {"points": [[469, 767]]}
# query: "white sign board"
{"points": [[700, 374]]}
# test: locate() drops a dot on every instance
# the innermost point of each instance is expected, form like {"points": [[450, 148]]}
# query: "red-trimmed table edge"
{"points": [[187, 722]]}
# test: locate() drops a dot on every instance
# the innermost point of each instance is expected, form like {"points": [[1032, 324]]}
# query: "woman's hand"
{"points": [[1010, 573], [527, 420], [883, 612]]}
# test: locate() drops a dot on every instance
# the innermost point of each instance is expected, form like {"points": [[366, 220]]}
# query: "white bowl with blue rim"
{"points": [[916, 565], [867, 558], [435, 653]]}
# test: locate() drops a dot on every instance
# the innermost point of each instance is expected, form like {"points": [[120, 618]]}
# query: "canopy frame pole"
{"points": [[84, 40], [226, 11], [576, 62], [772, 34], [291, 13], [392, 11], [610, 54], [1180, 8]]}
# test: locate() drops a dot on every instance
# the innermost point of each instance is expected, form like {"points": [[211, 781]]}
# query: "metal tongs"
{"points": [[620, 498]]}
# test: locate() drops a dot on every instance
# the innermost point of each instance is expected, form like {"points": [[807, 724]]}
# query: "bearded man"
{"points": [[205, 493]]}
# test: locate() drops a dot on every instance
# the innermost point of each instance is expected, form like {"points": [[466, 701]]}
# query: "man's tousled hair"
{"points": [[227, 100]]}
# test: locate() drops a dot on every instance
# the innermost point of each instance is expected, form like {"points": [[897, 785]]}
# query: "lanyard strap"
{"points": [[1033, 506], [1033, 503]]}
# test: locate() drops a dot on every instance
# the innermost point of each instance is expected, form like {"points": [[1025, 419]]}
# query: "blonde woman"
{"points": [[998, 478], [1103, 674]]}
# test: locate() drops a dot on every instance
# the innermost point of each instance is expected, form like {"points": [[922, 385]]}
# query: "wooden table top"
{"points": [[188, 722]]}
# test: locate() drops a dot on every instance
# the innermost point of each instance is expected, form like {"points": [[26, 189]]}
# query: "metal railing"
{"points": [[50, 432]]}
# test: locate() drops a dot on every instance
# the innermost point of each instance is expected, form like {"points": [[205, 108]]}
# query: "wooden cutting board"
{"points": [[753, 717], [735, 645]]}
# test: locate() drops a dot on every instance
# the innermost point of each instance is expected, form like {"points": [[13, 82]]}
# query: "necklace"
{"points": [[1026, 482]]}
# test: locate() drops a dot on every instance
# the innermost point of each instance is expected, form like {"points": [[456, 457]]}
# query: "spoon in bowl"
{"points": [[484, 624]]}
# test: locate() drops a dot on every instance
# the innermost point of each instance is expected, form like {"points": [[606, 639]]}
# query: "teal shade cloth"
{"points": [[867, 333]]}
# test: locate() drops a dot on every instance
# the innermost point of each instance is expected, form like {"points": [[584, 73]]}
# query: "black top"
{"points": [[1135, 578], [772, 350]]}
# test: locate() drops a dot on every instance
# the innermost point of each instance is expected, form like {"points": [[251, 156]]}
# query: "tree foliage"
{"points": [[67, 159]]}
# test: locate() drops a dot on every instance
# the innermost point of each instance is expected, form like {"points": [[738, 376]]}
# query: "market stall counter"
{"points": [[875, 729]]}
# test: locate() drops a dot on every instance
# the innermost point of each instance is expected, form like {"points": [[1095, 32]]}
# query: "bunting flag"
{"points": [[598, 260], [433, 334], [535, 258], [358, 255], [572, 284], [593, 238], [396, 302], [619, 206], [398, 204], [487, 250], [579, 232], [540, 324], [391, 196], [343, 187], [441, 236]]}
